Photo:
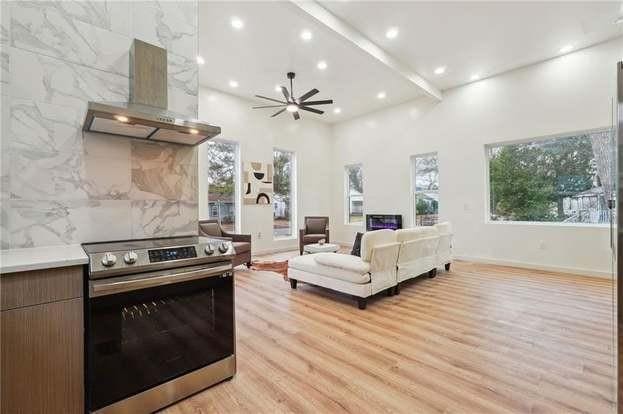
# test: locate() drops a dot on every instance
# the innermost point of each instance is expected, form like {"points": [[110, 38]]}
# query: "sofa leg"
{"points": [[447, 267], [432, 273], [362, 302], [293, 283], [397, 289], [390, 291]]}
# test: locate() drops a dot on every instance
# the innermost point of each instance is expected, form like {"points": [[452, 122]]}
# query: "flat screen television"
{"points": [[383, 221]]}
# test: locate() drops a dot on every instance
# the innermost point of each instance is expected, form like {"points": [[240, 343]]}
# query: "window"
{"points": [[222, 182], [354, 194], [283, 197], [426, 189], [565, 179]]}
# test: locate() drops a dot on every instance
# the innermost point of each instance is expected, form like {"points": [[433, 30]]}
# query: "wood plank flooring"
{"points": [[478, 339]]}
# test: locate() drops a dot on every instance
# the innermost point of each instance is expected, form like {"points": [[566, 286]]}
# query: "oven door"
{"points": [[147, 329]]}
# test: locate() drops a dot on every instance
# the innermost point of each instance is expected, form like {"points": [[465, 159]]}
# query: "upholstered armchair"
{"points": [[241, 242], [316, 228]]}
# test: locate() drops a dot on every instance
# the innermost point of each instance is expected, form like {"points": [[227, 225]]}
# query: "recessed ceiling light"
{"points": [[306, 35], [236, 23], [566, 49], [200, 60], [391, 33], [121, 118], [277, 88], [322, 65], [337, 110], [619, 20], [233, 83], [292, 108], [440, 70], [475, 77], [381, 95]]}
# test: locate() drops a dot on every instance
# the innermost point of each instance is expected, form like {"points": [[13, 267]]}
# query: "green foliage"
{"points": [[529, 181], [355, 179], [221, 169], [423, 207], [282, 165]]}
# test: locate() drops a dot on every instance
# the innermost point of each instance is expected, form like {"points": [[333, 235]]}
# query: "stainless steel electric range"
{"points": [[159, 321]]}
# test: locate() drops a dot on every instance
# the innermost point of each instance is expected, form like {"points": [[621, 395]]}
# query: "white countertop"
{"points": [[36, 258]]}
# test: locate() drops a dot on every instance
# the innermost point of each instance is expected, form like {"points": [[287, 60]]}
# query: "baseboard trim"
{"points": [[265, 252], [525, 265]]}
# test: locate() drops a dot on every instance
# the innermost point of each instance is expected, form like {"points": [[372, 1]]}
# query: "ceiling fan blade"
{"points": [[285, 93], [316, 111], [267, 106], [296, 116], [308, 95], [271, 99], [277, 113], [325, 102]]}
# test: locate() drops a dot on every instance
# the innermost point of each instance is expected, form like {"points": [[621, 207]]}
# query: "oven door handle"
{"points": [[129, 283]]}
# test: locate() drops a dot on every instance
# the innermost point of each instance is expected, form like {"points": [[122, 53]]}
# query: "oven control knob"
{"points": [[223, 247], [109, 259], [130, 257], [209, 250]]}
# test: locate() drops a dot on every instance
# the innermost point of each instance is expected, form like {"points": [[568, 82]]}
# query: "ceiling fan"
{"points": [[292, 104]]}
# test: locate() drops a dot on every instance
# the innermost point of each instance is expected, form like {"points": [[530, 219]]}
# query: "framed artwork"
{"points": [[257, 183]]}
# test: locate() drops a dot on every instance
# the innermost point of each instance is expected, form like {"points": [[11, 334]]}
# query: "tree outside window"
{"points": [[565, 179], [426, 183], [222, 181], [354, 193], [283, 163]]}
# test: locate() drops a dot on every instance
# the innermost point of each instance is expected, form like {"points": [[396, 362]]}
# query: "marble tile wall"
{"points": [[59, 185]]}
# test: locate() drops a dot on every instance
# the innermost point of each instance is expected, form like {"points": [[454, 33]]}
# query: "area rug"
{"points": [[280, 267]]}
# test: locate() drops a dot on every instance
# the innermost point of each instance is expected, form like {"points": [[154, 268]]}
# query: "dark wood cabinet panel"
{"points": [[40, 286], [42, 359]]}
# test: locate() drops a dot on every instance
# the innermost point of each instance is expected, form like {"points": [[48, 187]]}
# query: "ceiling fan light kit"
{"points": [[292, 104]]}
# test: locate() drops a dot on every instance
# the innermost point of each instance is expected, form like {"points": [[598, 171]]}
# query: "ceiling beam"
{"points": [[351, 34]]}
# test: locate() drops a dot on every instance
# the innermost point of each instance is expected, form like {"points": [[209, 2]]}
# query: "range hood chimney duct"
{"points": [[146, 115]]}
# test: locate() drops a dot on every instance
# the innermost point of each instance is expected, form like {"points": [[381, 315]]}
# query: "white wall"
{"points": [[257, 135], [570, 93]]}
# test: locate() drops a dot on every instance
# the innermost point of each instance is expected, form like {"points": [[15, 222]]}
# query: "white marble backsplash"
{"points": [[59, 185]]}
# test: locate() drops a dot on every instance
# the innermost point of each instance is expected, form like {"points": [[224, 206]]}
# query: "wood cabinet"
{"points": [[42, 342]]}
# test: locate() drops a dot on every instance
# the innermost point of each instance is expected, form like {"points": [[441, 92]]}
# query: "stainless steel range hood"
{"points": [[146, 115]]}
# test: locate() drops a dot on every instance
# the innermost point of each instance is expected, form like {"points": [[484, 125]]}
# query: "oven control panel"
{"points": [[173, 253]]}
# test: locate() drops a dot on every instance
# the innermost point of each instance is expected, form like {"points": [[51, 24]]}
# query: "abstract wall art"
{"points": [[257, 183]]}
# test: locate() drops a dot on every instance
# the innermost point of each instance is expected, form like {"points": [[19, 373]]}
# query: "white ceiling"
{"points": [[486, 38]]}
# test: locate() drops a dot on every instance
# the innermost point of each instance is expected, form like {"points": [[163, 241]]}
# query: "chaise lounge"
{"points": [[360, 277]]}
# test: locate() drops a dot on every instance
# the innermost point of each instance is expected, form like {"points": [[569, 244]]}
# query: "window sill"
{"points": [[354, 224], [548, 224]]}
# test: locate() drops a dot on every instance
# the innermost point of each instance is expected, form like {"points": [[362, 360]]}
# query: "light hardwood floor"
{"points": [[478, 339]]}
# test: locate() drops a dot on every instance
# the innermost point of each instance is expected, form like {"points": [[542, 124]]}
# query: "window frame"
{"points": [[347, 221], [412, 207], [237, 183], [487, 178], [293, 196]]}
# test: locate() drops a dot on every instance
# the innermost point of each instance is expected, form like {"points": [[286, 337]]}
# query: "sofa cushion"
{"points": [[371, 239], [316, 225], [314, 237], [241, 247], [444, 228], [416, 233], [357, 245], [211, 229], [307, 263], [343, 261]]}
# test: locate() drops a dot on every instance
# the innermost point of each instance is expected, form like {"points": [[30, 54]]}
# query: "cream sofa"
{"points": [[418, 253], [444, 250], [361, 277]]}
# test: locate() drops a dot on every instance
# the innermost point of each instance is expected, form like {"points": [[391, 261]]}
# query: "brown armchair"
{"points": [[241, 242], [316, 228]]}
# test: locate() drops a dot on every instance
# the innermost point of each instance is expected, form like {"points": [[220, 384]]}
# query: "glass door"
{"points": [[142, 338]]}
